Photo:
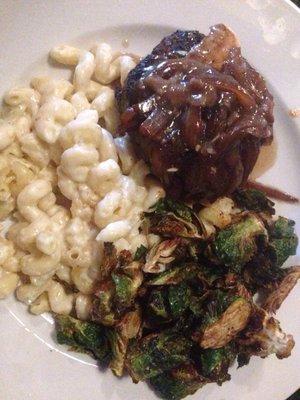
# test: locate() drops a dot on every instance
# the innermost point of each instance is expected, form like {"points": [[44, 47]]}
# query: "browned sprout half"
{"points": [[115, 294], [130, 324], [118, 344], [109, 260], [276, 298], [231, 322], [169, 218], [160, 256], [263, 336]]}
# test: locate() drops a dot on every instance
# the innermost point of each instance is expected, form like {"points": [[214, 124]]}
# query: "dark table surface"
{"points": [[296, 395]]}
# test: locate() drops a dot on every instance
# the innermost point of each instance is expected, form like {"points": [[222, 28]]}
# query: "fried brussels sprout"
{"points": [[109, 260], [179, 313], [166, 205], [236, 244], [283, 241], [160, 256], [264, 270], [155, 354], [126, 286], [129, 326], [179, 297], [253, 200], [216, 362], [86, 337], [118, 345], [175, 275], [171, 219], [232, 321], [140, 253], [276, 297], [226, 316], [178, 383], [157, 307], [116, 293], [102, 310]]}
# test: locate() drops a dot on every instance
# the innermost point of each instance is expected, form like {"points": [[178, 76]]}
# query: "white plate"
{"points": [[32, 366]]}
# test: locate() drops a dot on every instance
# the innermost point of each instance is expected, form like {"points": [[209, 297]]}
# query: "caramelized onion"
{"points": [[202, 113]]}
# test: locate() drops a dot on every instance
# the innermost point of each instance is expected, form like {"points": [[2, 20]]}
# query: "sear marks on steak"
{"points": [[197, 113], [176, 45]]}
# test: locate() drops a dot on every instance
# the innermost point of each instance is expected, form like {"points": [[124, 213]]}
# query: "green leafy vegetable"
{"points": [[166, 205], [169, 218], [140, 253], [226, 316], [253, 200], [156, 353], [178, 383], [236, 245], [175, 275], [118, 344], [125, 289], [215, 363], [102, 311], [179, 299], [283, 241], [157, 308], [82, 336], [179, 313]]}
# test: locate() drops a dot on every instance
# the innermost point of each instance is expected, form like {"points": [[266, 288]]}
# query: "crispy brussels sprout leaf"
{"points": [[166, 205], [130, 324], [125, 289], [218, 302], [236, 244], [276, 298], [261, 273], [175, 275], [157, 307], [196, 304], [283, 241], [140, 253], [117, 292], [215, 363], [179, 298], [283, 227], [209, 274], [127, 282], [172, 219], [220, 332], [118, 345], [102, 310], [157, 353], [243, 359], [171, 226], [110, 260], [82, 336], [178, 383], [160, 256], [282, 249], [253, 200]]}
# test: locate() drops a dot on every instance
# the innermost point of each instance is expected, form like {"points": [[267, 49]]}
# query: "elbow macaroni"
{"points": [[70, 184]]}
